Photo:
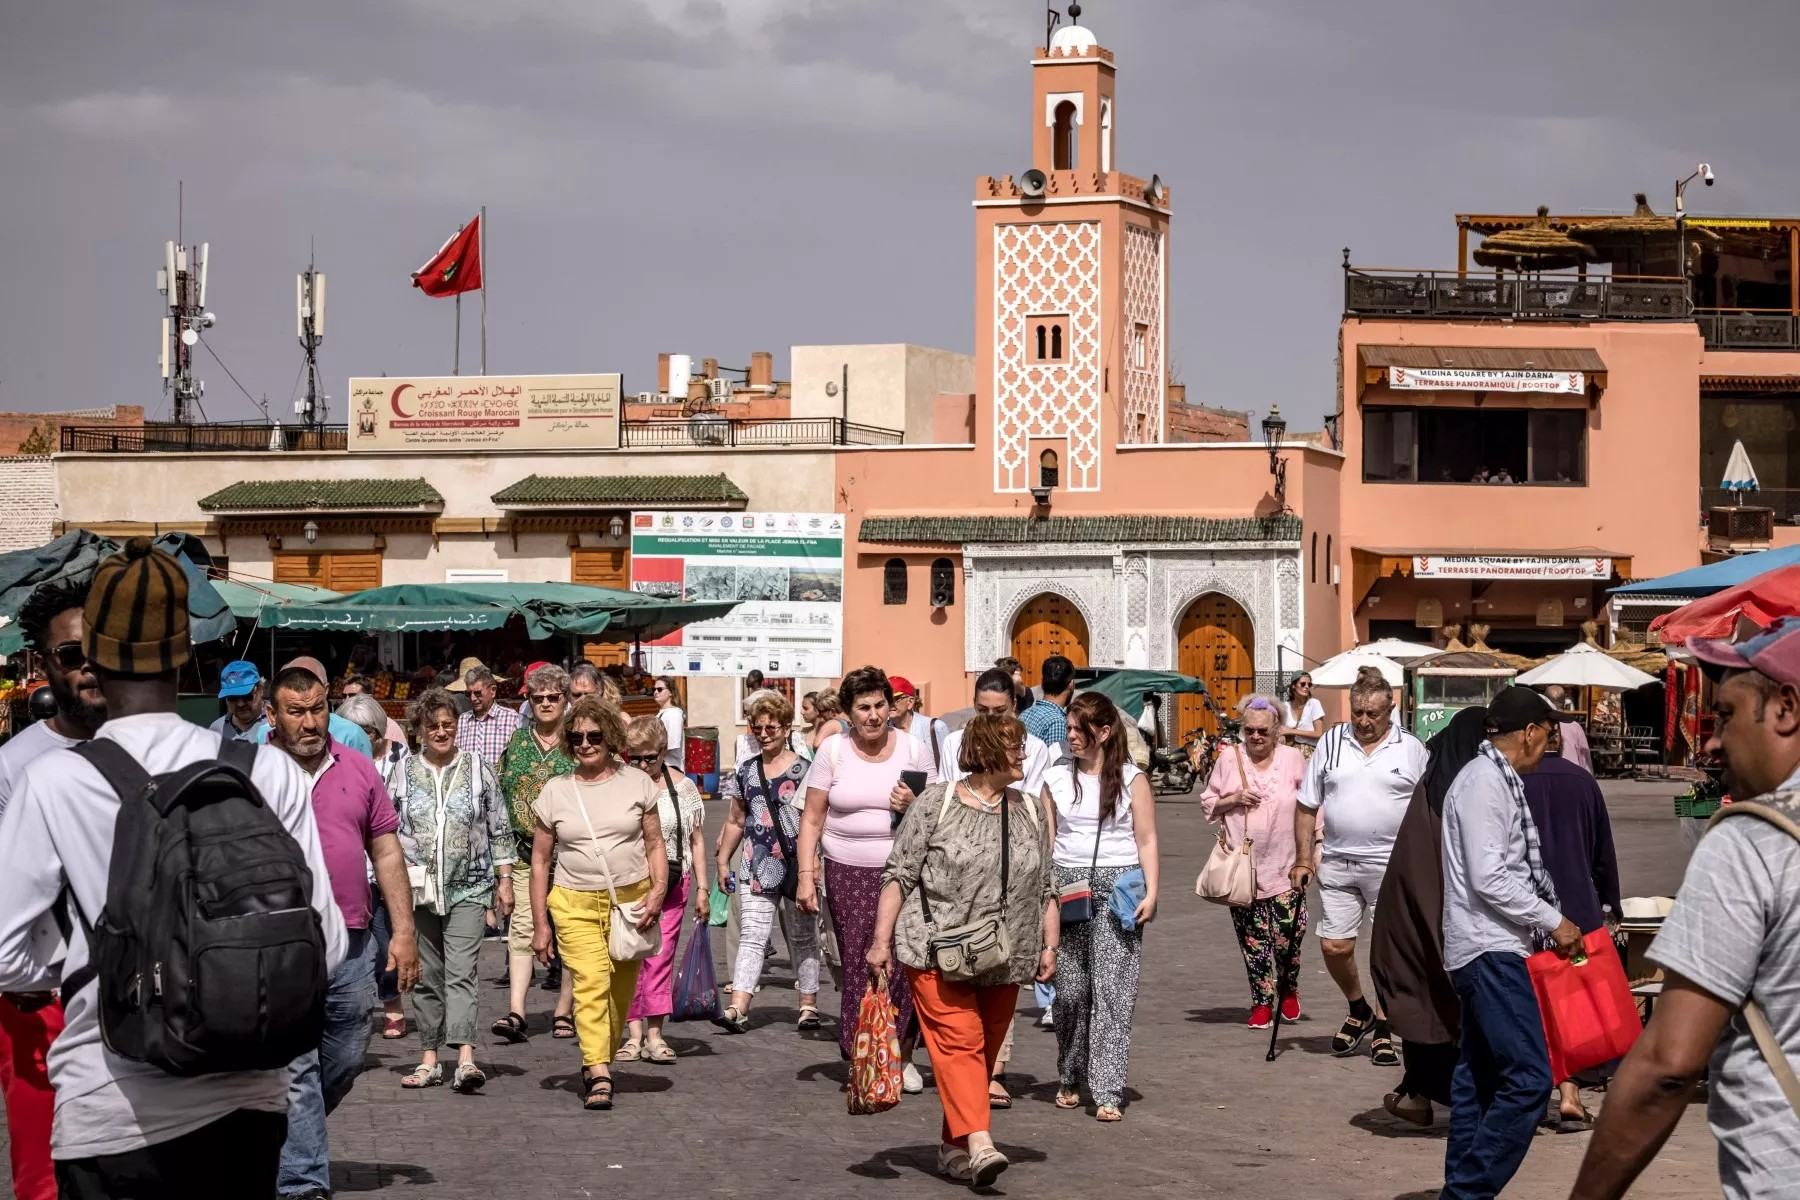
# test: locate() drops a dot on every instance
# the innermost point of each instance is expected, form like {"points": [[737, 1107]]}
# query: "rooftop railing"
{"points": [[1375, 292]]}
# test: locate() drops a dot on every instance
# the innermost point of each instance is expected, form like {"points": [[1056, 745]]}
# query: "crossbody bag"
{"points": [[963, 952], [1075, 899]]}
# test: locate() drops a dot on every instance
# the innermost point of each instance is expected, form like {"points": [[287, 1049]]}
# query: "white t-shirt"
{"points": [[1039, 755], [676, 723], [57, 832], [25, 747], [1364, 795], [1078, 816], [1311, 713]]}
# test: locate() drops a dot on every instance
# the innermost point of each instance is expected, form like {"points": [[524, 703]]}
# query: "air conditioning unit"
{"points": [[718, 389], [648, 398]]}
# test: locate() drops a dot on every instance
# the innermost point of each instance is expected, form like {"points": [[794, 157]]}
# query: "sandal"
{"points": [[809, 1017], [1067, 1099], [1350, 1035], [986, 1164], [657, 1051], [1566, 1123], [953, 1163], [732, 1021], [1382, 1052], [1001, 1098], [468, 1079], [594, 1099], [511, 1027], [1108, 1113], [424, 1076], [631, 1051], [393, 1027], [563, 1027]]}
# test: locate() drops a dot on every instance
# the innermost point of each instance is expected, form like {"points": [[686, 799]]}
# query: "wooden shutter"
{"points": [[602, 566], [298, 567], [338, 570]]}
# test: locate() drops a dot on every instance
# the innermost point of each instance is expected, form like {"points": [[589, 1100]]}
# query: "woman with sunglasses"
{"points": [[765, 817], [600, 826], [1105, 831], [683, 821], [1301, 715], [533, 757], [1252, 793], [674, 720], [458, 843]]}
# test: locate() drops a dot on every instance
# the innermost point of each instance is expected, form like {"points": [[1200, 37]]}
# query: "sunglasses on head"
{"points": [[69, 655], [587, 737]]}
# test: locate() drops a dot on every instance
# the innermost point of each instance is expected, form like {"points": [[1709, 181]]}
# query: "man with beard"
{"points": [[356, 818], [30, 1021]]}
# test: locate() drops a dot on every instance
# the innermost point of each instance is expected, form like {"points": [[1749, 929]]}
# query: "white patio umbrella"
{"points": [[1740, 476], [1586, 666], [1399, 651], [1340, 670]]}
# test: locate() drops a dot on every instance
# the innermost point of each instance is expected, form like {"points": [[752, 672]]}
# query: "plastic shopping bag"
{"points": [[718, 905], [696, 984], [875, 1062], [1589, 1015]]}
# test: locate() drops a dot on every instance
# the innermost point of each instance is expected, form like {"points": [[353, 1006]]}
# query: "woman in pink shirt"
{"points": [[1252, 791], [855, 794]]}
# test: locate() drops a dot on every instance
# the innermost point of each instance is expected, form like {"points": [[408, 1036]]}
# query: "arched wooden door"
{"points": [[1049, 624], [1215, 643]]}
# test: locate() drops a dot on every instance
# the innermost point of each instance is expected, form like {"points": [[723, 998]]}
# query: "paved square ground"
{"points": [[762, 1115]]}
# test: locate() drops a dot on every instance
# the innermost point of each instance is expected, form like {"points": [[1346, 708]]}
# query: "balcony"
{"points": [[1545, 297], [701, 432], [1784, 503], [1749, 329]]}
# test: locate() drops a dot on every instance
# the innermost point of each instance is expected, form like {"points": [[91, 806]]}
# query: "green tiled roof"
{"points": [[342, 495], [620, 491], [959, 530]]}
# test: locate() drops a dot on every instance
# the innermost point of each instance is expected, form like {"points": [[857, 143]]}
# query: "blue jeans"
{"points": [[321, 1079], [381, 925], [1502, 1082], [1045, 994]]}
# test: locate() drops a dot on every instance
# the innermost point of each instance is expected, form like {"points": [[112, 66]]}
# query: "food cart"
{"points": [[1444, 684]]}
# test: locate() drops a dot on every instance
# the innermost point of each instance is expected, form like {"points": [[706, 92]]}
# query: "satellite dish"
{"points": [[1154, 190], [1033, 183], [189, 337]]}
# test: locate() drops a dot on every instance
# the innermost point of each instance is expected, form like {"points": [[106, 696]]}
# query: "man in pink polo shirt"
{"points": [[357, 823]]}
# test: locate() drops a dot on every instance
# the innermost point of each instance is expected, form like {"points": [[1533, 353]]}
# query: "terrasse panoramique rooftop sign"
{"points": [[1446, 379], [486, 412], [1496, 566]]}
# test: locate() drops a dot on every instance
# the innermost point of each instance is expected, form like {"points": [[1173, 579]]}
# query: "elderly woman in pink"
{"points": [[1252, 790]]}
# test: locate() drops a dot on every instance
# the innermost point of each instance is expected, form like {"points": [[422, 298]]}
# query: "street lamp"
{"points": [[1704, 173], [1274, 428]]}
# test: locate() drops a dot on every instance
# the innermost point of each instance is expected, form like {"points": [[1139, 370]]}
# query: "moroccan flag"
{"points": [[456, 267]]}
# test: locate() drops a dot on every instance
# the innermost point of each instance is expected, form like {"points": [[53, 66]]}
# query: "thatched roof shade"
{"points": [[1537, 247]]}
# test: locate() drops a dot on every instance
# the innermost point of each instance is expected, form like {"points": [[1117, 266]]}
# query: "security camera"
{"points": [[1706, 174]]}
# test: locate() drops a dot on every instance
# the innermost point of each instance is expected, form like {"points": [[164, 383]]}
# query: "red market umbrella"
{"points": [[1760, 601]]}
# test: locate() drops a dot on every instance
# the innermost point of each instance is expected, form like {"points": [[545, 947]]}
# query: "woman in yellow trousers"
{"points": [[600, 826]]}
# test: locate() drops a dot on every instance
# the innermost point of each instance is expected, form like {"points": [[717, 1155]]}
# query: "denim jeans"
{"points": [[1502, 1082], [381, 925], [321, 1079], [1045, 994]]}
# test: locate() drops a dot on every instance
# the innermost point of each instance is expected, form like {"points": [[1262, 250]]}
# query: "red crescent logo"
{"points": [[394, 401]]}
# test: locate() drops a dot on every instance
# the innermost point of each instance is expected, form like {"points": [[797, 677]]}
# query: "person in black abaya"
{"points": [[1406, 953]]}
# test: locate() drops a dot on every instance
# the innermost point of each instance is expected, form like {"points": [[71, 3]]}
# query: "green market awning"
{"points": [[1127, 688], [247, 598], [548, 610], [11, 640], [73, 557]]}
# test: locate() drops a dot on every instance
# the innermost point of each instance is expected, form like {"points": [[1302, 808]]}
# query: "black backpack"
{"points": [[209, 955]]}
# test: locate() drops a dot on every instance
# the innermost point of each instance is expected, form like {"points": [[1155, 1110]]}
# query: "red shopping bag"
{"points": [[875, 1062], [1589, 1015]]}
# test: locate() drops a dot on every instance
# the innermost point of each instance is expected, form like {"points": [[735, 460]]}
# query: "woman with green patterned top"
{"points": [[533, 757]]}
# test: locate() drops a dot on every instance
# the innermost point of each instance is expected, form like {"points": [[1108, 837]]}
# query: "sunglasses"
{"points": [[546, 697], [441, 727], [69, 655], [1259, 733], [643, 759], [659, 688], [587, 737], [767, 730]]}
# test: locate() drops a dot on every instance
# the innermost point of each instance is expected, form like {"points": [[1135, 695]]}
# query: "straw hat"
{"points": [[462, 671]]}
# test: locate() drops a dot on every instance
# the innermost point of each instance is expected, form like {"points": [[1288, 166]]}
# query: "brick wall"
{"points": [[28, 498], [1184, 422], [16, 427]]}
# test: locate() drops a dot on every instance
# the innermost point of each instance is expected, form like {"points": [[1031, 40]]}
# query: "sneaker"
{"points": [[1261, 1016], [1047, 1020], [911, 1082], [1290, 1007]]}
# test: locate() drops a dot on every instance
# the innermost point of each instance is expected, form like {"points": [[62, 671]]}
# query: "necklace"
{"points": [[986, 805]]}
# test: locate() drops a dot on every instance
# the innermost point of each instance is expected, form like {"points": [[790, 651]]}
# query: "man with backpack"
{"points": [[357, 823], [1729, 950], [187, 1095]]}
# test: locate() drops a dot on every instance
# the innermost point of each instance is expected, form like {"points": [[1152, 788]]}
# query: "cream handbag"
{"points": [[625, 942], [1229, 876]]}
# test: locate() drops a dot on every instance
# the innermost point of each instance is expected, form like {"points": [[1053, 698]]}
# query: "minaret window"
{"points": [[1065, 156], [893, 581], [1047, 469], [1047, 339]]}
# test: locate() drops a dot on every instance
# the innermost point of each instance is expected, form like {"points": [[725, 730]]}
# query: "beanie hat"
{"points": [[137, 613]]}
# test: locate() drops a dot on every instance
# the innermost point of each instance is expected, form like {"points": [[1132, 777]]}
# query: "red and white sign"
{"points": [[1444, 379], [1492, 566]]}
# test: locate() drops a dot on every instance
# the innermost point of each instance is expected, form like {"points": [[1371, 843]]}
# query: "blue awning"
{"points": [[1713, 577]]}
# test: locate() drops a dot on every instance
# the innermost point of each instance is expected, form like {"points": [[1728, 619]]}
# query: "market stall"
{"points": [[1450, 681]]}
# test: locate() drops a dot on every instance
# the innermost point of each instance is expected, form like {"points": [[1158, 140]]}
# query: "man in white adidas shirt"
{"points": [[124, 1127], [1359, 782]]}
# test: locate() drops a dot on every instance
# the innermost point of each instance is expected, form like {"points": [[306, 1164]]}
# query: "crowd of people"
{"points": [[949, 862]]}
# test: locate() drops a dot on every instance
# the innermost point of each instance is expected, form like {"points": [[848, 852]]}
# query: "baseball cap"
{"points": [[1517, 706], [308, 663], [238, 679], [1775, 652], [902, 686]]}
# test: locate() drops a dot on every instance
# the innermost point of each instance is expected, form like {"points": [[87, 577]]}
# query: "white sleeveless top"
{"points": [[1077, 817]]}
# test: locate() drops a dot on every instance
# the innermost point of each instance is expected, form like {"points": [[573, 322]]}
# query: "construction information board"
{"points": [[787, 569], [445, 414]]}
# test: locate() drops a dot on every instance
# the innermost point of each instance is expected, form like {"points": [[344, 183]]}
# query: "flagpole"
{"points": [[481, 249], [456, 355]]}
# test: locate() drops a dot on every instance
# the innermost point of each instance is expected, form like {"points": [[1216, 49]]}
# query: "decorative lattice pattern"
{"points": [[1047, 269], [1143, 306]]}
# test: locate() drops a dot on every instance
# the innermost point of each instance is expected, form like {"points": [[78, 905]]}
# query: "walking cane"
{"points": [[1273, 1033]]}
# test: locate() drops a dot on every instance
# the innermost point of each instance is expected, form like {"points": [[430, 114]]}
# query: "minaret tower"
{"points": [[1071, 284]]}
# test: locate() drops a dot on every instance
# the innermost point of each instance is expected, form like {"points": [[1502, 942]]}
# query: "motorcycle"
{"points": [[1179, 771]]}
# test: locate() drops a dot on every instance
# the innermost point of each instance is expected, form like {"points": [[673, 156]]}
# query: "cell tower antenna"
{"points": [[309, 324], [182, 279]]}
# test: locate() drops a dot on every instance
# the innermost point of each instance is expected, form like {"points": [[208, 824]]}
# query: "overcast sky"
{"points": [[721, 176]]}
